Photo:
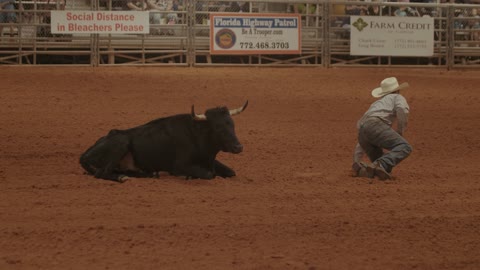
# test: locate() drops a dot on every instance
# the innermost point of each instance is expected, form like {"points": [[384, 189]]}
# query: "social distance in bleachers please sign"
{"points": [[255, 34], [98, 22], [391, 36]]}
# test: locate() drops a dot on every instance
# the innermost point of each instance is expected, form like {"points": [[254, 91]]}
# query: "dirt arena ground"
{"points": [[293, 204]]}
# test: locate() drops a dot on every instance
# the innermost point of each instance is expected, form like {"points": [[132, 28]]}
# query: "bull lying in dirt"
{"points": [[182, 145]]}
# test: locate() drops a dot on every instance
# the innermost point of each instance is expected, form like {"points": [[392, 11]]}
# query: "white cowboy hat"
{"points": [[388, 86]]}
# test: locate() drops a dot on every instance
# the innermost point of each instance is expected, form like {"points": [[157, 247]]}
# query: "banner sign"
{"points": [[391, 36], [255, 34], [98, 22]]}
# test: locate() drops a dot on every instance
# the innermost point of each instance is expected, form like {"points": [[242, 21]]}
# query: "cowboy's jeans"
{"points": [[374, 136]]}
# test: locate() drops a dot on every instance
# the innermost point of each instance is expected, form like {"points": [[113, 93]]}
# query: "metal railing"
{"points": [[179, 34]]}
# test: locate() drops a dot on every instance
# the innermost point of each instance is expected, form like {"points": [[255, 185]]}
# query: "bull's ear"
{"points": [[198, 117], [239, 110]]}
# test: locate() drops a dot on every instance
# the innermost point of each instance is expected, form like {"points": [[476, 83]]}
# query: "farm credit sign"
{"points": [[255, 34], [97, 22], [391, 36]]}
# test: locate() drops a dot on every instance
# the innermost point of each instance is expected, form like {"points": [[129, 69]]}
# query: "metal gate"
{"points": [[179, 34]]}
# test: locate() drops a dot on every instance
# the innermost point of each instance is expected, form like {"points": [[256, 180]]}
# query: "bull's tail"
{"points": [[86, 158], [86, 165], [101, 160], [103, 173]]}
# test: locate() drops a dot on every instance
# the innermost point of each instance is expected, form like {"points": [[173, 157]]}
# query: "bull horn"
{"points": [[239, 110], [198, 117]]}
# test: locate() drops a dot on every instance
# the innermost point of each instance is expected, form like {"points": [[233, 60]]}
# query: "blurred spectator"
{"points": [[120, 4], [7, 17], [302, 8], [404, 11], [460, 23], [169, 5], [239, 6], [59, 4], [51, 5], [137, 5], [148, 5], [142, 5], [306, 9], [426, 11], [26, 13], [353, 10], [474, 26], [200, 7], [375, 10], [271, 7], [177, 5], [152, 6]]}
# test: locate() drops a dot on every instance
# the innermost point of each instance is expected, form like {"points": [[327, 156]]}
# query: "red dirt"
{"points": [[293, 204]]}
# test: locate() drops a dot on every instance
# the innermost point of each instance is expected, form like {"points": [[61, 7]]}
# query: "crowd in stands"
{"points": [[161, 12], [16, 11], [167, 11]]}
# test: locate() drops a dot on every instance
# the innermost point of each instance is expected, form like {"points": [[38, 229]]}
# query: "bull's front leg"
{"points": [[193, 171], [223, 170], [196, 171], [102, 159], [186, 164]]}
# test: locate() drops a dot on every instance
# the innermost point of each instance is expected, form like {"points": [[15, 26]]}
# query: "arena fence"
{"points": [[179, 35]]}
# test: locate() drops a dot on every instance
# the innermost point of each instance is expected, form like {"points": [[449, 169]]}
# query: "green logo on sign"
{"points": [[360, 24]]}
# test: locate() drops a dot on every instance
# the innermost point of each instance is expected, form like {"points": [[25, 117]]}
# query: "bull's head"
{"points": [[222, 126]]}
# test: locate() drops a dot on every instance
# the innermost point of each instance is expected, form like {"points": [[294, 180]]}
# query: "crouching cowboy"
{"points": [[375, 132]]}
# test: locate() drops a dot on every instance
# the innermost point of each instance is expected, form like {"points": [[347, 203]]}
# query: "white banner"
{"points": [[97, 22], [391, 36], [255, 34]]}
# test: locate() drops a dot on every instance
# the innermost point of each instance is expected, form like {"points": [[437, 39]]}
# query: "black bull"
{"points": [[182, 145]]}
